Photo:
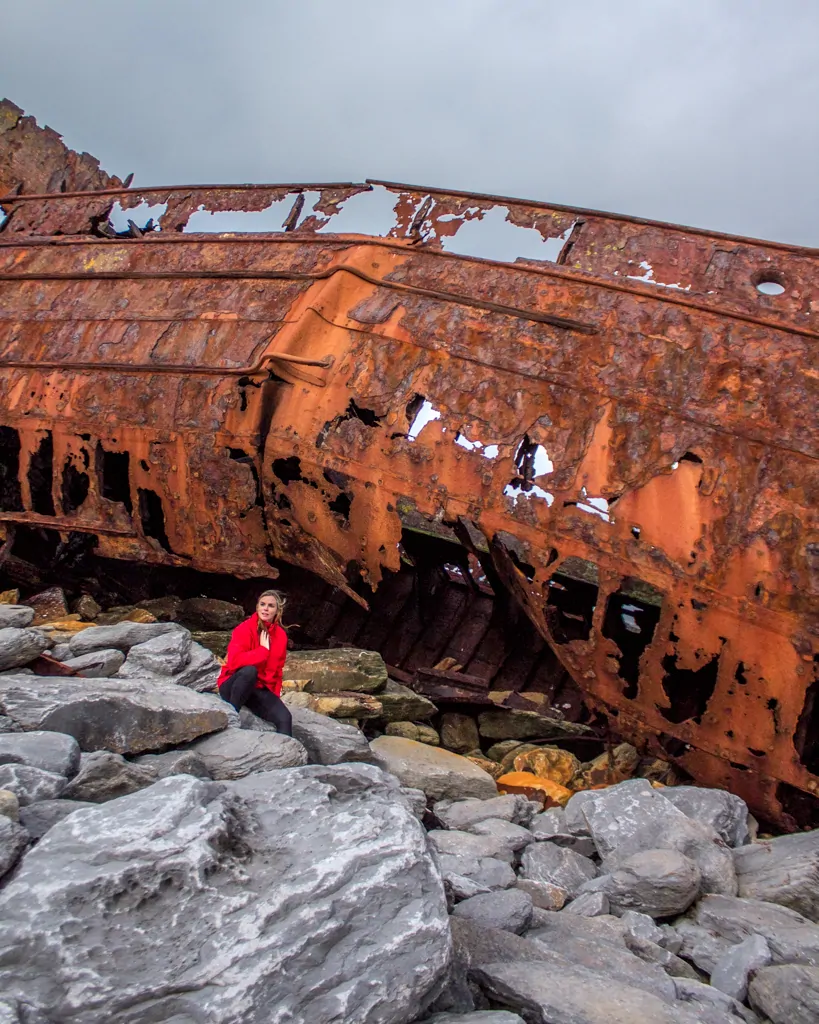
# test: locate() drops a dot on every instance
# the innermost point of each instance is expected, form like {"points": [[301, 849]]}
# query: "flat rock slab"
{"points": [[441, 774], [508, 909], [546, 862], [123, 716], [462, 814], [464, 844], [50, 751], [401, 704], [783, 870], [122, 637], [19, 646], [660, 883], [193, 900], [17, 616], [342, 668], [235, 753], [102, 664], [526, 725], [790, 936], [327, 741]]}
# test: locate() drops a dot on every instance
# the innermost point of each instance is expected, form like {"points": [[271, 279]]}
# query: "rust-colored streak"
{"points": [[639, 462]]}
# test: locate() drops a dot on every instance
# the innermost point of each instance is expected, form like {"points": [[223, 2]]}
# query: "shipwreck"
{"points": [[608, 420]]}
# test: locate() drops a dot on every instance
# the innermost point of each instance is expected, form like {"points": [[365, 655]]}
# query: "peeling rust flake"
{"points": [[615, 417]]}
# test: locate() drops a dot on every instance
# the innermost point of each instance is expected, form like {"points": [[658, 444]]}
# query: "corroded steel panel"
{"points": [[635, 452]]}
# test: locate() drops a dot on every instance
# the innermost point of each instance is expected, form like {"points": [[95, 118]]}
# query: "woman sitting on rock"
{"points": [[252, 674]]}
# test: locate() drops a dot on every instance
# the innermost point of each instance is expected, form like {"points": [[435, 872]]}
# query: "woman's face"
{"points": [[267, 609]]}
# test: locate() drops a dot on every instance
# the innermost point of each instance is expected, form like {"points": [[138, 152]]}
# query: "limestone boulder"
{"points": [[459, 733], [13, 840], [731, 973], [192, 900], [30, 784], [49, 751], [526, 725], [342, 668], [441, 774], [95, 665], [17, 616], [659, 883], [124, 716], [235, 753], [38, 818], [786, 994], [513, 837], [555, 865], [327, 741], [724, 812], [469, 876], [164, 655], [791, 937], [401, 704], [416, 731], [19, 646], [465, 844], [208, 613], [463, 814], [783, 870], [509, 909], [121, 637]]}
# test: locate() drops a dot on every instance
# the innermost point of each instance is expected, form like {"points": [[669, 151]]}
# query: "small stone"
{"points": [[786, 994], [329, 742], [642, 926], [731, 973], [9, 805], [652, 953], [86, 607], [527, 725], [490, 767], [414, 731], [173, 762], [498, 751], [164, 609], [106, 776], [49, 605], [545, 862], [463, 814], [470, 876], [346, 705], [588, 904], [551, 763], [725, 813], [38, 818], [19, 646], [10, 596], [514, 837], [16, 616], [13, 840], [441, 774], [459, 733], [544, 895], [30, 784], [710, 1005], [342, 668], [401, 704], [95, 665], [508, 909], [164, 655], [659, 883], [544, 791], [451, 843], [61, 652]]}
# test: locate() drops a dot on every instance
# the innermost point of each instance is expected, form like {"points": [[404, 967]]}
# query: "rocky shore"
{"points": [[165, 859]]}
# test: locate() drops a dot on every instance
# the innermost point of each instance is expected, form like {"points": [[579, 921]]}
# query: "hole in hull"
{"points": [[11, 497], [688, 690], [630, 623], [113, 469], [152, 517], [40, 477]]}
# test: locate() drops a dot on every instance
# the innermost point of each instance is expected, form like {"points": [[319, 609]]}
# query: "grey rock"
{"points": [[545, 896], [470, 876], [19, 646], [569, 944], [201, 671], [724, 812], [173, 762], [660, 883], [416, 799], [508, 909], [632, 817], [701, 946], [652, 953], [476, 1017], [588, 904], [38, 818], [16, 616], [462, 814], [123, 636], [9, 1012], [328, 741], [783, 870], [573, 813], [164, 655], [9, 805], [106, 776], [50, 751], [61, 652], [235, 753], [464, 844], [30, 784], [208, 613], [13, 840], [441, 774], [549, 824], [401, 704], [124, 716], [7, 725], [342, 668], [545, 862], [527, 725], [97, 664], [247, 720], [547, 994], [514, 837], [790, 937], [670, 940], [641, 926], [730, 975], [786, 994], [710, 1005], [217, 902]]}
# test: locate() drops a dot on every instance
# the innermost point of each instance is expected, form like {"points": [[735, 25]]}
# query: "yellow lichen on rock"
{"points": [[549, 763]]}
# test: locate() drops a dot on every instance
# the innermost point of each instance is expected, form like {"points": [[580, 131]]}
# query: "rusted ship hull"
{"points": [[634, 460]]}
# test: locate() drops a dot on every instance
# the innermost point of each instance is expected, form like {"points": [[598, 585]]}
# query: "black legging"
{"points": [[240, 690]]}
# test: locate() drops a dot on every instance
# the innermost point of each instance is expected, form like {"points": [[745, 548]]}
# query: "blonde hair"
{"points": [[281, 601]]}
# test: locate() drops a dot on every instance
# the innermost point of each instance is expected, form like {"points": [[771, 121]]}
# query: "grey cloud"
{"points": [[701, 112]]}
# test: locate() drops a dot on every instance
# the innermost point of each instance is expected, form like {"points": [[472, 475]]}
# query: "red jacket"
{"points": [[245, 648]]}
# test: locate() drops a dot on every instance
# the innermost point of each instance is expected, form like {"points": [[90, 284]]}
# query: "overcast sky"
{"points": [[702, 112]]}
